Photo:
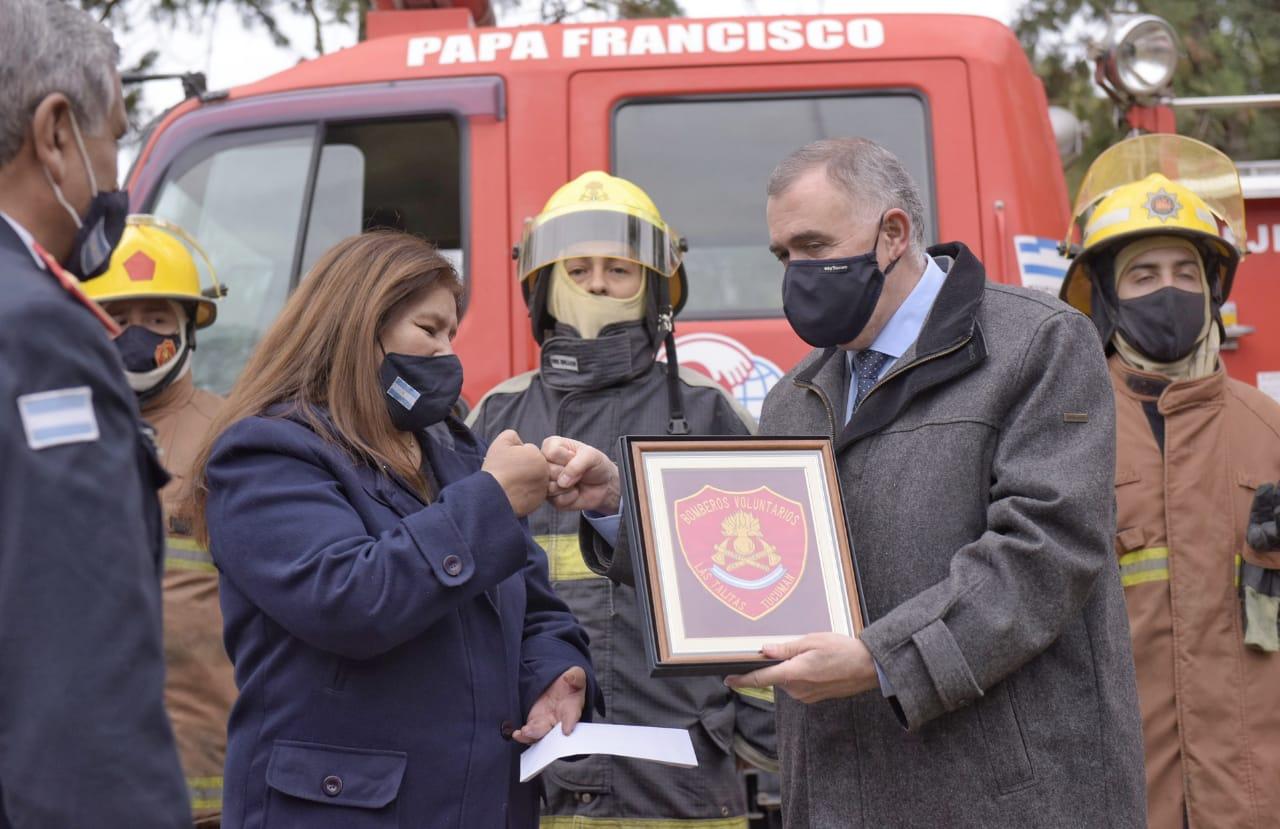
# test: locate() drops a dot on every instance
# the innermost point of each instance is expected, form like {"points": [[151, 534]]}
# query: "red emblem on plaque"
{"points": [[748, 549]]}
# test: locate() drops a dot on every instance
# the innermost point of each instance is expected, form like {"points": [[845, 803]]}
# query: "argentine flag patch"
{"points": [[1040, 264], [52, 418], [403, 393]]}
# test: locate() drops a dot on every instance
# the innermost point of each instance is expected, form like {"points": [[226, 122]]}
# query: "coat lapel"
{"points": [[949, 345]]}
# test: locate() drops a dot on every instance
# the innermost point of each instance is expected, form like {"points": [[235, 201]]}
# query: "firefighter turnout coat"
{"points": [[199, 684], [1210, 716], [617, 389]]}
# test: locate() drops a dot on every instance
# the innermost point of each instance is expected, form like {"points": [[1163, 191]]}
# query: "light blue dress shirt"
{"points": [[898, 334], [606, 525], [902, 329]]}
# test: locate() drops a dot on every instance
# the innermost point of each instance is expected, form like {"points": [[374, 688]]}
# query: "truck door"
{"points": [[267, 184], [702, 141], [1255, 357]]}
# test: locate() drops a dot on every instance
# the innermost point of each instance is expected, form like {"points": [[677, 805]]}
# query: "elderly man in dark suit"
{"points": [[84, 740], [974, 434]]}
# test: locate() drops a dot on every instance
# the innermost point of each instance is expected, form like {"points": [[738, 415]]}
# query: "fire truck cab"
{"points": [[460, 134]]}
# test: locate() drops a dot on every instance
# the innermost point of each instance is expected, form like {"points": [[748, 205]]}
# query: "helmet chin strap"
{"points": [[676, 424]]}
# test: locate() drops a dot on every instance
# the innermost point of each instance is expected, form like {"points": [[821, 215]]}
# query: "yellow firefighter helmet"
{"points": [[597, 214], [154, 261], [1165, 185]]}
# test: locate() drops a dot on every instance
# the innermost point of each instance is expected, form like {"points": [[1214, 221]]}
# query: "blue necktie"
{"points": [[868, 363]]}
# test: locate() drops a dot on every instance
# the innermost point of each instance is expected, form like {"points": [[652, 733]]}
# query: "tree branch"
{"points": [[317, 28], [107, 9]]}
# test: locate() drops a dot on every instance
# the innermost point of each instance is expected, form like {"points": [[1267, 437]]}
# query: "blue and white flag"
{"points": [[1040, 264], [52, 418], [403, 393]]}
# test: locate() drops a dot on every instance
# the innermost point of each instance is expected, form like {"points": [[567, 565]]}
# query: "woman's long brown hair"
{"points": [[323, 351]]}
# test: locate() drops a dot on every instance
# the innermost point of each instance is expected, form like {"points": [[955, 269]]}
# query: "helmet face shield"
{"points": [[560, 236], [1198, 167], [1155, 185]]}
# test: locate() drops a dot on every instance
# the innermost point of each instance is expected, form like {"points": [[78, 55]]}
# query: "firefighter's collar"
{"points": [[571, 363]]}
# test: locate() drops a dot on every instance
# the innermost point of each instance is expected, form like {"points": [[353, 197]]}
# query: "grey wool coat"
{"points": [[977, 478]]}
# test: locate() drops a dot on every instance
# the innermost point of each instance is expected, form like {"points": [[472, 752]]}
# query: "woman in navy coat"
{"points": [[392, 627]]}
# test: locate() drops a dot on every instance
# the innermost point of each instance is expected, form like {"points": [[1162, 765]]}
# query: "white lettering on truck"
{"points": [[672, 38], [485, 47]]}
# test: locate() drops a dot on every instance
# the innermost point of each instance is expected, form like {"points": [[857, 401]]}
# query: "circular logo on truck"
{"points": [[745, 375]]}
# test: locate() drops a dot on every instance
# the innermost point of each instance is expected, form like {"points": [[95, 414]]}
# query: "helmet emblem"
{"points": [[594, 191], [1162, 205], [140, 267]]}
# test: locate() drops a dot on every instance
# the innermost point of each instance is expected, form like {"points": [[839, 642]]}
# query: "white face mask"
{"points": [[588, 313]]}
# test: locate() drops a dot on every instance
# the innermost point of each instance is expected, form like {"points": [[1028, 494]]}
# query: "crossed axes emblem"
{"points": [[744, 545]]}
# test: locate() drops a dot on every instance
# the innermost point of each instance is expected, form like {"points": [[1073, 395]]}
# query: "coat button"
{"points": [[332, 785], [452, 565], [507, 729], [585, 797]]}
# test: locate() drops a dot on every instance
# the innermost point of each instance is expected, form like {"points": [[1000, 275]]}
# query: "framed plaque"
{"points": [[736, 543]]}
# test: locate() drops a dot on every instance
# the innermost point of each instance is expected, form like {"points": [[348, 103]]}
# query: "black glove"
{"points": [[1264, 518]]}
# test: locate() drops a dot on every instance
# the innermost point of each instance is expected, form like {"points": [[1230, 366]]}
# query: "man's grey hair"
{"points": [[872, 178], [49, 46]]}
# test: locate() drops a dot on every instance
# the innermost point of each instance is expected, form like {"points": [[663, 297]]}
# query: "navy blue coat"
{"points": [[384, 649], [84, 740]]}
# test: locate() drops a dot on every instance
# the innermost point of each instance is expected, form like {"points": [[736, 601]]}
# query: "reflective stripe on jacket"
{"points": [[199, 684], [1210, 706], [615, 792]]}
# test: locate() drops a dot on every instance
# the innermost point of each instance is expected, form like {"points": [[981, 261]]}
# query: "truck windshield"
{"points": [[705, 162], [265, 207]]}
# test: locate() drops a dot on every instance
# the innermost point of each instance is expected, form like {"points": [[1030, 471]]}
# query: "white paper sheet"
{"points": [[671, 746]]}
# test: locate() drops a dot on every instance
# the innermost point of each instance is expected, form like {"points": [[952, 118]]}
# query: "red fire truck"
{"points": [[458, 132]]}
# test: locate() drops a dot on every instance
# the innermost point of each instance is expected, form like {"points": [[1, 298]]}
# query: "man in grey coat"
{"points": [[973, 424]]}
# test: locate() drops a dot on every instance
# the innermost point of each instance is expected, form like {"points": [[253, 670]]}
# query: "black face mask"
{"points": [[1164, 325], [99, 230], [142, 350], [420, 390], [829, 301], [99, 233]]}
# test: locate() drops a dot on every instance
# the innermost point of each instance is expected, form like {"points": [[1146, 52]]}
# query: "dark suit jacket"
{"points": [[384, 649], [84, 740]]}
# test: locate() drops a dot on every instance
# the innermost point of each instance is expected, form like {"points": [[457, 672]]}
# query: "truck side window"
{"points": [[705, 162], [244, 197], [241, 196], [404, 175]]}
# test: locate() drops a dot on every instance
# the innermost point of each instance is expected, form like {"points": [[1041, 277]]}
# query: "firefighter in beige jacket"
{"points": [[152, 289], [1193, 447]]}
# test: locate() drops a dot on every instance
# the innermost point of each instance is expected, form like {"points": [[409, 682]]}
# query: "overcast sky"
{"points": [[231, 53]]}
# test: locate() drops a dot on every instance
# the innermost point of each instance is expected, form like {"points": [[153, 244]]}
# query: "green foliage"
{"points": [[1230, 47]]}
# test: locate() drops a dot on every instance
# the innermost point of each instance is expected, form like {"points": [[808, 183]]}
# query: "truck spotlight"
{"points": [[1140, 54]]}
